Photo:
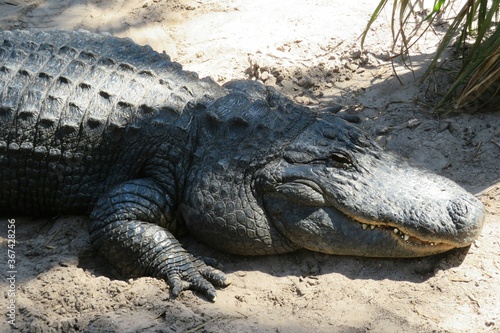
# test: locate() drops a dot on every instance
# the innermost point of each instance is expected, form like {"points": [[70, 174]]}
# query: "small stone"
{"points": [[306, 82], [287, 84], [356, 54], [412, 123], [271, 81], [264, 75], [351, 66], [313, 282], [303, 100]]}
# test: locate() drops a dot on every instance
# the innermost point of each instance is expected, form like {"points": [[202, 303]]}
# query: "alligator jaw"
{"points": [[405, 238], [321, 223]]}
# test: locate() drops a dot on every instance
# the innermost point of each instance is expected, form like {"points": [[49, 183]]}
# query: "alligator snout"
{"points": [[467, 215], [460, 212]]}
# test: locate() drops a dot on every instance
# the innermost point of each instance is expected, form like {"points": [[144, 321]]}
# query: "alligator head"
{"points": [[336, 191], [271, 176]]}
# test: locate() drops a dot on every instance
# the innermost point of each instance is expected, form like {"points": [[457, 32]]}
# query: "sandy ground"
{"points": [[309, 50]]}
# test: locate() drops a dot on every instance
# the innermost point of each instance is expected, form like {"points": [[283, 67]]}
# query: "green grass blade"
{"points": [[438, 4], [480, 71]]}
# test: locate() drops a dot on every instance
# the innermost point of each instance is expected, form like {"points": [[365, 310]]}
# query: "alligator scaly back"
{"points": [[73, 98]]}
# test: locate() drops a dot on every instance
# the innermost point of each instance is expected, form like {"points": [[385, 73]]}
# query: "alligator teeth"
{"points": [[398, 232]]}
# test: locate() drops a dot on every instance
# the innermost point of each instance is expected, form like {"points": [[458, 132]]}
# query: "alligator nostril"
{"points": [[459, 212]]}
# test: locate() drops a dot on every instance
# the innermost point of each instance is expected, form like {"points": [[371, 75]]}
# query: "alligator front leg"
{"points": [[124, 228]]}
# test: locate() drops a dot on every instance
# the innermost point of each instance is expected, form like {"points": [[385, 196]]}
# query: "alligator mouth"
{"points": [[403, 237], [400, 235], [411, 240]]}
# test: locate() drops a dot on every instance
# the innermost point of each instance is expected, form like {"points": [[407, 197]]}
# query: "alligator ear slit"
{"points": [[332, 109], [352, 118]]}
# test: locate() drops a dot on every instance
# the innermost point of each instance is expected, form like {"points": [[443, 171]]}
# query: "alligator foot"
{"points": [[127, 234], [186, 272]]}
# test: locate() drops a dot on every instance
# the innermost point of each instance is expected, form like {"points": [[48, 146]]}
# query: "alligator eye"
{"points": [[341, 159], [336, 159]]}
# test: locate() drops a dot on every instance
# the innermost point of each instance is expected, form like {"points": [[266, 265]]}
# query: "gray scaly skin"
{"points": [[92, 124]]}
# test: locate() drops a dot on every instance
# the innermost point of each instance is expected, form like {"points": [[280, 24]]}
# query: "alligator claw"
{"points": [[215, 276], [195, 275]]}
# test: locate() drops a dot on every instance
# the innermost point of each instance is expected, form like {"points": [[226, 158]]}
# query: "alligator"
{"points": [[97, 125]]}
